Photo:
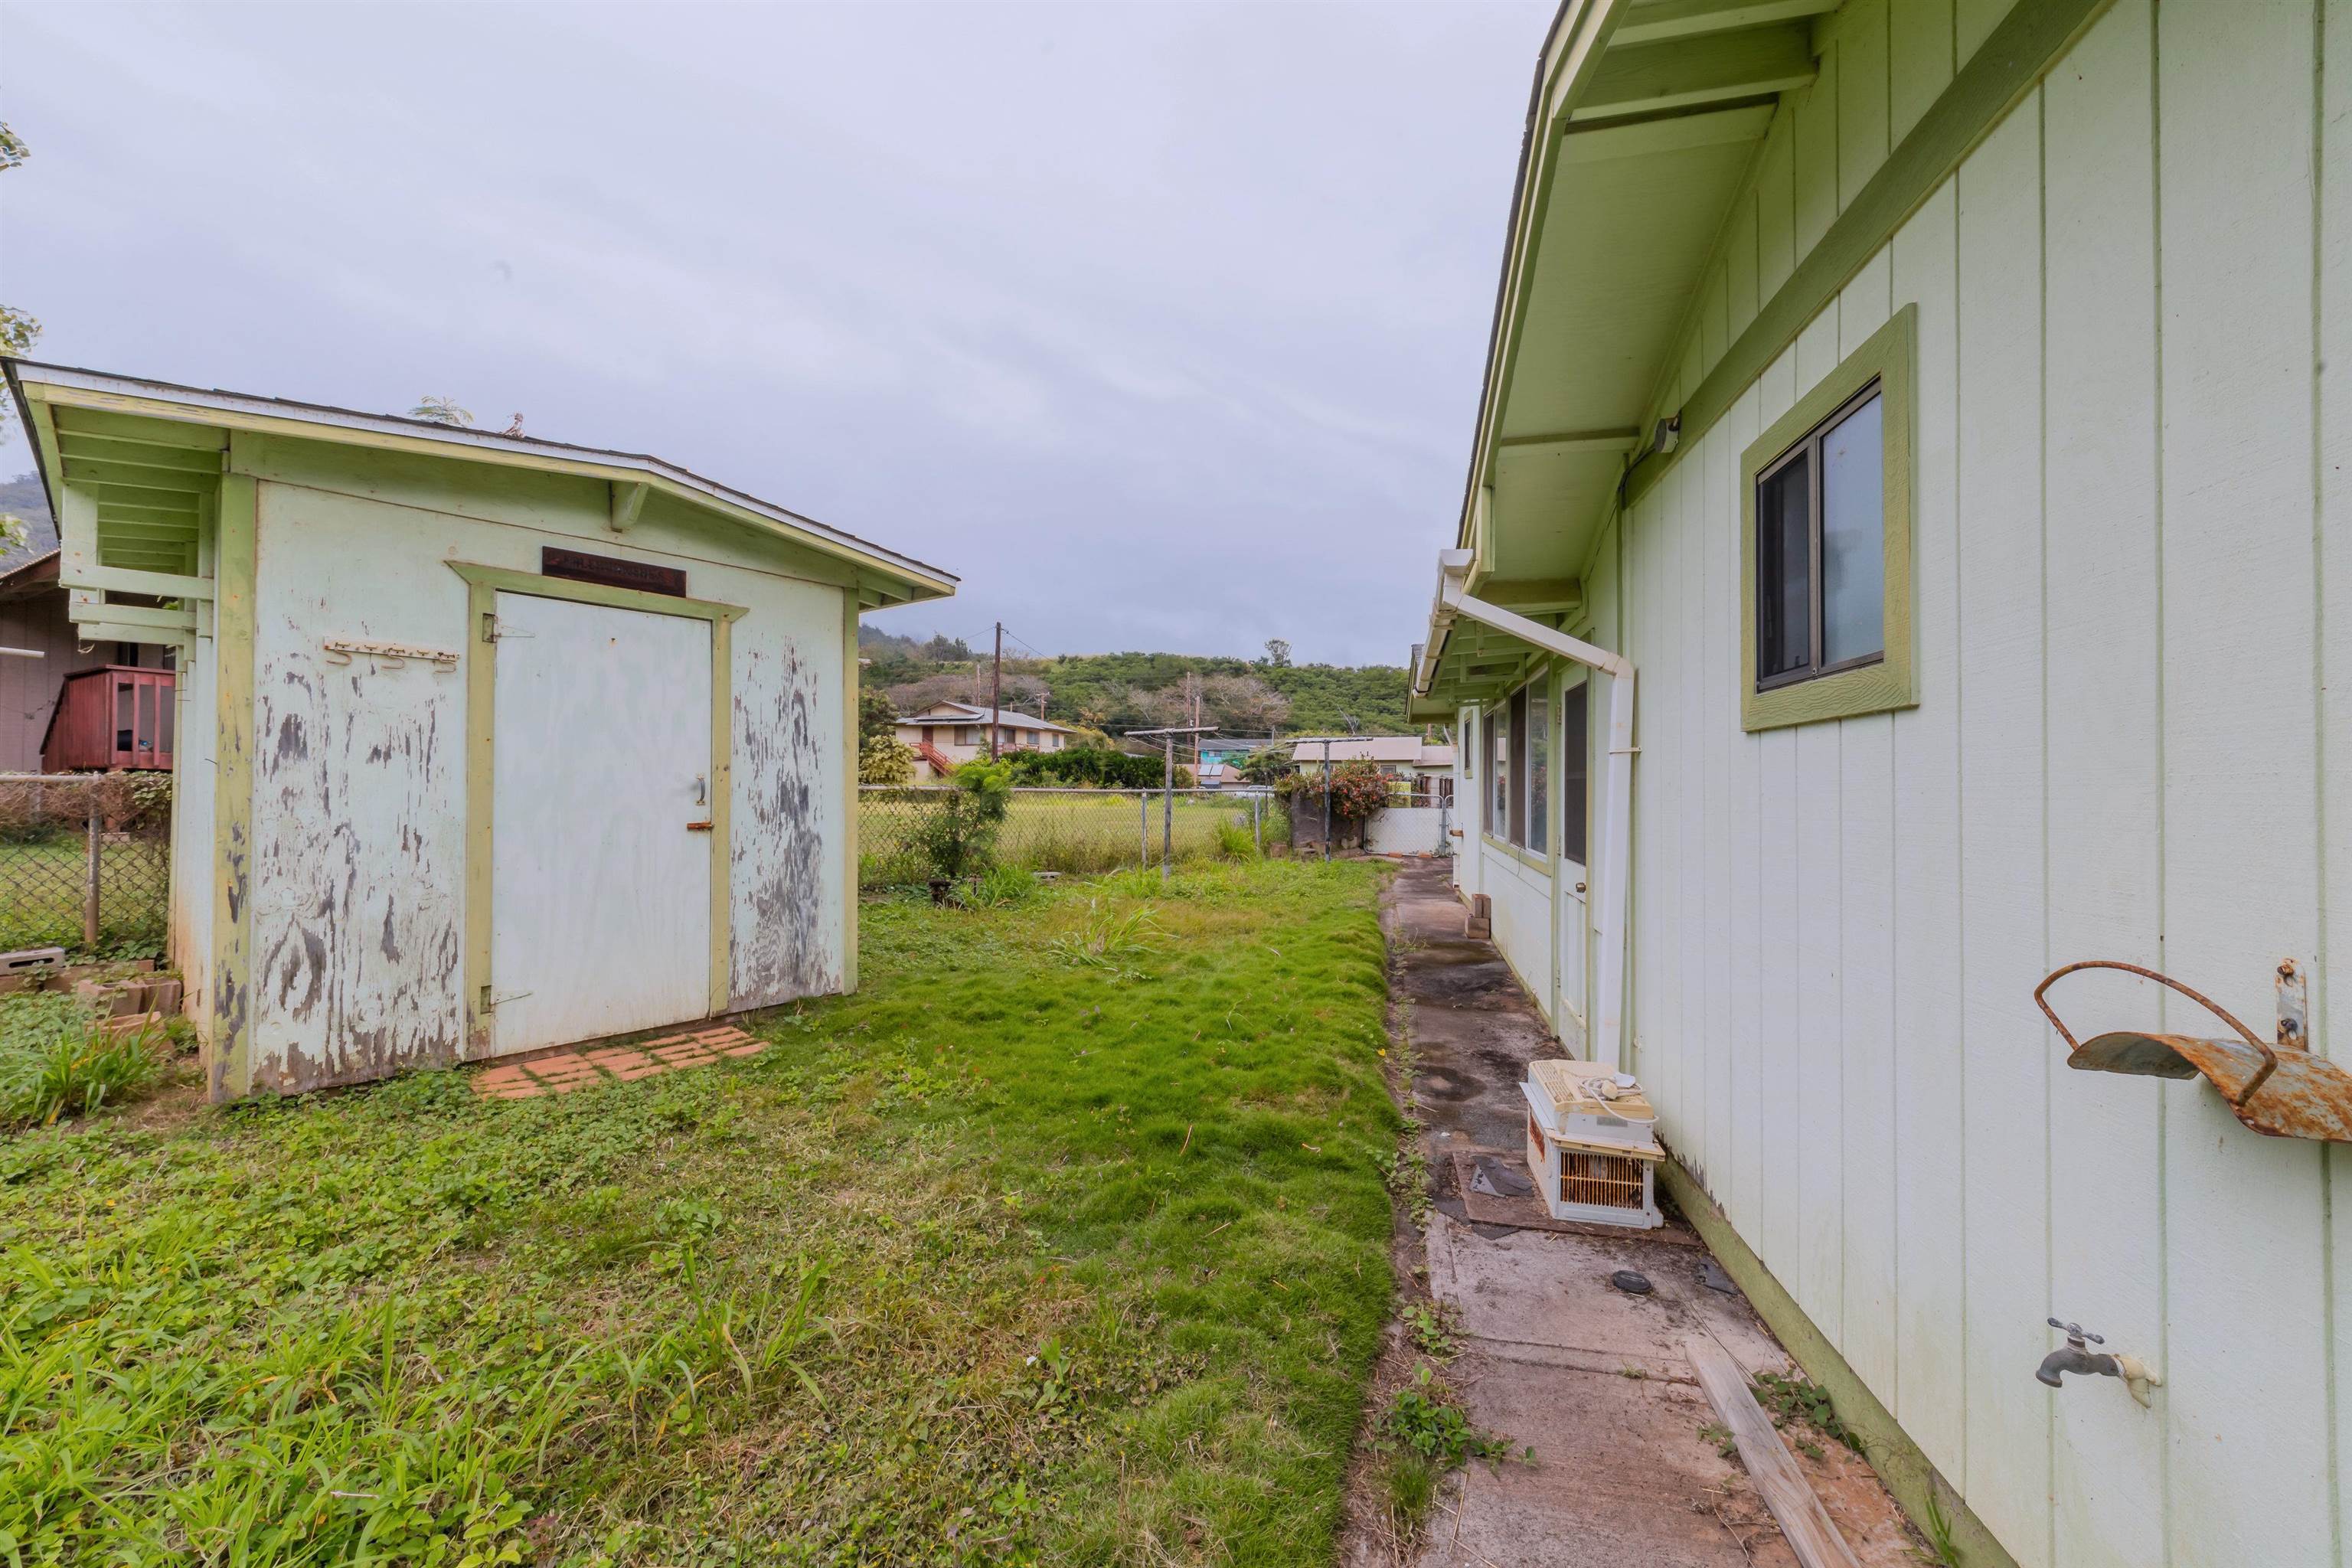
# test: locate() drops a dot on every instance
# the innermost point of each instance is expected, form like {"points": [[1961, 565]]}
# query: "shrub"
{"points": [[958, 837], [884, 760], [1235, 842], [1087, 767]]}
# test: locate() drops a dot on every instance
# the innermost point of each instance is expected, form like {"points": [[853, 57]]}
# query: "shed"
{"points": [[485, 743]]}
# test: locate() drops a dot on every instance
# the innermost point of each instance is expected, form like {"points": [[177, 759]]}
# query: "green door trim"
{"points": [[228, 1034], [484, 585]]}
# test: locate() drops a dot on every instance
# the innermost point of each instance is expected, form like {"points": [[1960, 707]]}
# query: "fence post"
{"points": [[1257, 823], [90, 882], [1143, 828]]}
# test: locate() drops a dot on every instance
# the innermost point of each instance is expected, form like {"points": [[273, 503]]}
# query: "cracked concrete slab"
{"points": [[1553, 1356]]}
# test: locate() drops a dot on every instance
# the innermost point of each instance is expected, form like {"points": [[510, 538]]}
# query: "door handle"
{"points": [[701, 790], [1579, 887]]}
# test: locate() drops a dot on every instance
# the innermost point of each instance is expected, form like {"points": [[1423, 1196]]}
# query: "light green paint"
{"points": [[2000, 74], [484, 585], [1890, 1450], [228, 1046], [1888, 356]]}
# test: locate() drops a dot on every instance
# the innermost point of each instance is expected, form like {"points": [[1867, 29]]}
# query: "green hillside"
{"points": [[1120, 692]]}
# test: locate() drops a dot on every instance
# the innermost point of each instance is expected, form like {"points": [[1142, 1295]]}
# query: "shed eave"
{"points": [[39, 387]]}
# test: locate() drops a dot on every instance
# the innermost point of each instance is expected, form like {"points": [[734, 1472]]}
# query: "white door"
{"points": [[600, 882]]}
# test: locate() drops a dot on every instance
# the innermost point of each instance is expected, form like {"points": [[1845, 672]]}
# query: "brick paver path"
{"points": [[559, 1072]]}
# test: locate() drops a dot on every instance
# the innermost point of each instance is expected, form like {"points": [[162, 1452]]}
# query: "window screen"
{"points": [[1573, 777]]}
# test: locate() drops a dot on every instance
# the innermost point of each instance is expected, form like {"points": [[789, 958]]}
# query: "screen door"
{"points": [[600, 877]]}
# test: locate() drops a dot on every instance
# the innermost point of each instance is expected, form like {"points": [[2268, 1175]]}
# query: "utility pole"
{"points": [[996, 694]]}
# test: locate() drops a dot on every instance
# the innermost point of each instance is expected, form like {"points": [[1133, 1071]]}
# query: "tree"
{"points": [[957, 835], [1277, 654], [876, 717]]}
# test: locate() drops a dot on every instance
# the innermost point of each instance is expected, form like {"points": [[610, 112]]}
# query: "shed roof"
{"points": [[150, 451]]}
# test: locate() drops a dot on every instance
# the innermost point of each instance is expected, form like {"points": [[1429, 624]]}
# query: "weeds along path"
{"points": [[1062, 1242]]}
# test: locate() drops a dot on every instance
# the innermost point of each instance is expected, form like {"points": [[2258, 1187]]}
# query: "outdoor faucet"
{"points": [[2078, 1358]]}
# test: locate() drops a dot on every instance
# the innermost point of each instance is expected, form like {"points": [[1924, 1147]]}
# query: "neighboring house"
{"points": [[1944, 412], [1425, 767], [32, 619], [488, 743], [949, 733]]}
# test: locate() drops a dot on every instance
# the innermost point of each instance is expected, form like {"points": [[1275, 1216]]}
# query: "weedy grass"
{"points": [[1002, 1261], [1800, 1399], [58, 1058]]}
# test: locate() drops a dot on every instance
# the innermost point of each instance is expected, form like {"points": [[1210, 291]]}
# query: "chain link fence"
{"points": [[85, 862], [1068, 831]]}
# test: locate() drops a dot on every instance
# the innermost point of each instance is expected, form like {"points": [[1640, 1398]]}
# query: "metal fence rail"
{"points": [[85, 862], [1071, 830]]}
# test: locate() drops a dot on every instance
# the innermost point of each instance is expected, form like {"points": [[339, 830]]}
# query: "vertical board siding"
{"points": [[1717, 699], [2004, 1173], [1930, 1069], [1919, 61], [2130, 513], [1866, 966], [2332, 415], [2105, 765], [1862, 79], [1738, 428], [2235, 109]]}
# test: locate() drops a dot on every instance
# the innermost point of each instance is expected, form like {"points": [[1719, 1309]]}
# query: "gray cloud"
{"points": [[1160, 325]]}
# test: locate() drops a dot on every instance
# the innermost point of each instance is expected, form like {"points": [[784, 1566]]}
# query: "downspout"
{"points": [[1615, 901]]}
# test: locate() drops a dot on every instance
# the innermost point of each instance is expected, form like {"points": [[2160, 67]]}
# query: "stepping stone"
{"points": [[626, 1064], [564, 1073], [507, 1083]]}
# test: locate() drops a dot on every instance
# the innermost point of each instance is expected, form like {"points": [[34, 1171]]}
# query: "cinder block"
{"points": [[165, 996]]}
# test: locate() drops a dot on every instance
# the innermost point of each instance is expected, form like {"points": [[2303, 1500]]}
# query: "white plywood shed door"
{"points": [[599, 887]]}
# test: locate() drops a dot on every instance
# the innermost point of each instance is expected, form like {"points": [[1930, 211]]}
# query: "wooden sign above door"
{"points": [[611, 570]]}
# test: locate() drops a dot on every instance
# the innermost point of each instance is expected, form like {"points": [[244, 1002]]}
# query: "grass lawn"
{"points": [[1063, 1241], [1051, 831]]}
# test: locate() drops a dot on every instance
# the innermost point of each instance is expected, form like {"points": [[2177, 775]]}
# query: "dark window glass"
{"points": [[1784, 569], [1573, 718]]}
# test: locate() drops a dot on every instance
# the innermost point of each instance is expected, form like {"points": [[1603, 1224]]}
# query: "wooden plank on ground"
{"points": [[1778, 1481]]}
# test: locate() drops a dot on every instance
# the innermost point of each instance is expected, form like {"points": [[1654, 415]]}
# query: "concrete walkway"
{"points": [[1553, 1355]]}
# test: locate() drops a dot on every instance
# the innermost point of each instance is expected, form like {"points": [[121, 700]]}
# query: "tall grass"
{"points": [[58, 1057]]}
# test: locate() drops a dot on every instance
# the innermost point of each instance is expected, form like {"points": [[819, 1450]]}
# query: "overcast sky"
{"points": [[1160, 325]]}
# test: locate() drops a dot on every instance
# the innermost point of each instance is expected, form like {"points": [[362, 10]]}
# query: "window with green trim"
{"points": [[1826, 550]]}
